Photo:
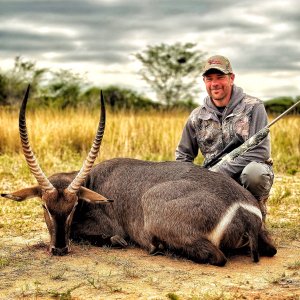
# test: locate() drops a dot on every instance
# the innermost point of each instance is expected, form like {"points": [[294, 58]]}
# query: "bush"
{"points": [[280, 104], [118, 99], [3, 90]]}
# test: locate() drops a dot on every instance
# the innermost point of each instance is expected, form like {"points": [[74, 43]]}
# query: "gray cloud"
{"points": [[257, 36]]}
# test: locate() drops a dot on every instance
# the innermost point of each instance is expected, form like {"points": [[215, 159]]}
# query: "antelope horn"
{"points": [[88, 163], [32, 163]]}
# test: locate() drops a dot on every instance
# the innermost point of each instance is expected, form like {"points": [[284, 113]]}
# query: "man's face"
{"points": [[219, 86]]}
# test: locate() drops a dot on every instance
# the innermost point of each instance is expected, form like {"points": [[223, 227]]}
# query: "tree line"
{"points": [[172, 72], [61, 89]]}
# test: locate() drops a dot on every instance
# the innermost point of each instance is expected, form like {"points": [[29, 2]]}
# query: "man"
{"points": [[227, 112]]}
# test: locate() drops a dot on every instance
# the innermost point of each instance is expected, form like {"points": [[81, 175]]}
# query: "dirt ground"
{"points": [[27, 271], [105, 273]]}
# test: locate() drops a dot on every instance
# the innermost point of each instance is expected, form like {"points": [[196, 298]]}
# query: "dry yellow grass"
{"points": [[286, 144], [67, 135], [143, 135]]}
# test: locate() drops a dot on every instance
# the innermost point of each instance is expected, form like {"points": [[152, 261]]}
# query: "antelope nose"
{"points": [[60, 251]]}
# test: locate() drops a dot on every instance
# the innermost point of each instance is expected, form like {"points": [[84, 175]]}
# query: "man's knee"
{"points": [[258, 179]]}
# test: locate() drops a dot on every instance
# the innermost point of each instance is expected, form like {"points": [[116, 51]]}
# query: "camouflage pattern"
{"points": [[210, 130], [212, 135], [218, 62], [251, 142]]}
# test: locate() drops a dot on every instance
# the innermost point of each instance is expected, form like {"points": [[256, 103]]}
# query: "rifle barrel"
{"points": [[283, 114]]}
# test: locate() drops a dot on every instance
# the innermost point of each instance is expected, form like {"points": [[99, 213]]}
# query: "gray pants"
{"points": [[258, 179]]}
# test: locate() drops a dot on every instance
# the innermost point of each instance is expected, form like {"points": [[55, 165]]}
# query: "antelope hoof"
{"points": [[156, 250]]}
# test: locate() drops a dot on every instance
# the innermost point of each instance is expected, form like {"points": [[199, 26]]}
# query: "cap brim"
{"points": [[215, 68]]}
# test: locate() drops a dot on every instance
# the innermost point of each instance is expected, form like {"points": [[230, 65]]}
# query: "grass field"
{"points": [[65, 136], [61, 141]]}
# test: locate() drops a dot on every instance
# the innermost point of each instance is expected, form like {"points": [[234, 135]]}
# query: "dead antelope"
{"points": [[180, 206]]}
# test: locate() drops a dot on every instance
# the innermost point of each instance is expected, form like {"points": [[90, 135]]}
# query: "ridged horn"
{"points": [[88, 163], [32, 163]]}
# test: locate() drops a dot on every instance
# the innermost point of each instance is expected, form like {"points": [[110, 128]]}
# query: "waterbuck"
{"points": [[158, 205]]}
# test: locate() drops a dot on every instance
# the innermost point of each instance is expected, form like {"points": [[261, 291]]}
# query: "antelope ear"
{"points": [[21, 195], [91, 196]]}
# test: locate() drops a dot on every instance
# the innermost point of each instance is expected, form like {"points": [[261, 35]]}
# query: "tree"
{"points": [[63, 89], [23, 73], [172, 71], [14, 82]]}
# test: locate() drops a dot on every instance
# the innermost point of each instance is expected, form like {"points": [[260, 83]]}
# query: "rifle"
{"points": [[237, 141], [237, 146]]}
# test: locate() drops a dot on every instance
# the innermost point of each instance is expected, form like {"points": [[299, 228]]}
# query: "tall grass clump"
{"points": [[62, 135], [285, 140], [66, 136]]}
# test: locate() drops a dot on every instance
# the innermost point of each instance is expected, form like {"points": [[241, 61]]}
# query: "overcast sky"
{"points": [[98, 37]]}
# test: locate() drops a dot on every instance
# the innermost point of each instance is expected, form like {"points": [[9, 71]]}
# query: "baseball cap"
{"points": [[218, 62]]}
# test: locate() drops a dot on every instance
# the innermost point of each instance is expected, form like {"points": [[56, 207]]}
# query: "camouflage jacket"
{"points": [[210, 130]]}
